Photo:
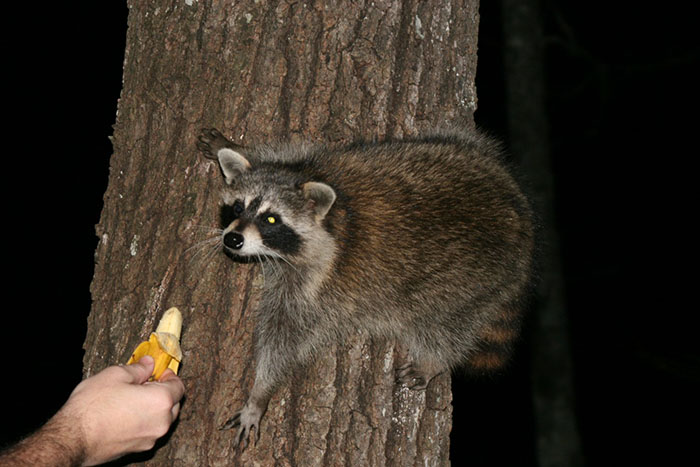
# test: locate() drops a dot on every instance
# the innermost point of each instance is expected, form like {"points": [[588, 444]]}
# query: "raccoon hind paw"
{"points": [[414, 377]]}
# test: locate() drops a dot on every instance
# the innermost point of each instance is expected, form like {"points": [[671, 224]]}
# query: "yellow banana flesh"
{"points": [[163, 345]]}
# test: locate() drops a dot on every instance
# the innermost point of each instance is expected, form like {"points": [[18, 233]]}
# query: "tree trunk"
{"points": [[325, 71]]}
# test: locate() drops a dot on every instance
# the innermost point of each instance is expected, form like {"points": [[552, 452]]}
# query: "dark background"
{"points": [[622, 105]]}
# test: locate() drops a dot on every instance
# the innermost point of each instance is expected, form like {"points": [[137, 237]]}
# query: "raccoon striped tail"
{"points": [[496, 342]]}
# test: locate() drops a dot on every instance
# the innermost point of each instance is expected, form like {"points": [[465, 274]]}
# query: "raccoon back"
{"points": [[437, 220]]}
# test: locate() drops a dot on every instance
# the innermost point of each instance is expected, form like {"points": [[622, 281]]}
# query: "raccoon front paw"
{"points": [[210, 141], [245, 420]]}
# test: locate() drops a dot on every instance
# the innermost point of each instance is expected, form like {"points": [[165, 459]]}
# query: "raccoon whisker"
{"points": [[202, 253], [268, 264], [274, 269], [262, 266], [276, 256], [196, 251], [207, 230], [278, 267], [199, 257], [213, 252], [204, 243], [207, 227], [200, 247], [205, 250]]}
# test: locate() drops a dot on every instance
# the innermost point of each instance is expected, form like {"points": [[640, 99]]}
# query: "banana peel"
{"points": [[163, 345]]}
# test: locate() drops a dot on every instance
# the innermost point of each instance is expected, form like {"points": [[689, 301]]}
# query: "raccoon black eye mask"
{"points": [[229, 213], [272, 230], [277, 235], [446, 277]]}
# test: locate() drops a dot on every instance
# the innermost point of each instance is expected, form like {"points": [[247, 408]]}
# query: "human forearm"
{"points": [[56, 444], [110, 414]]}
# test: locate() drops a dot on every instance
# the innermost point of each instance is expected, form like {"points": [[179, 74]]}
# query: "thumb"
{"points": [[140, 371]]}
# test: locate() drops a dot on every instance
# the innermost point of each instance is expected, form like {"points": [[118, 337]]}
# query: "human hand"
{"points": [[119, 412]]}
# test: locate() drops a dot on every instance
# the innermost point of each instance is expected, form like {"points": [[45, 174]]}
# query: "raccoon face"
{"points": [[252, 227], [266, 212]]}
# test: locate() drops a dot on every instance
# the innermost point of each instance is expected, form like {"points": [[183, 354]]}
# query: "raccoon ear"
{"points": [[232, 163], [321, 195]]}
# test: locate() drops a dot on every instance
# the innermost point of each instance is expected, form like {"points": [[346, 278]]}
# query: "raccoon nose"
{"points": [[233, 240]]}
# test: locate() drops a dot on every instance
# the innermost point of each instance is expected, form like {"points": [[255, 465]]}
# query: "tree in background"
{"points": [[557, 437]]}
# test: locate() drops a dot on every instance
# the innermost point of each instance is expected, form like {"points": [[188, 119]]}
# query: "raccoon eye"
{"points": [[271, 219], [237, 208], [229, 213]]}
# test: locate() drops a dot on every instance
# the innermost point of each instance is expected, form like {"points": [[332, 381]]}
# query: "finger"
{"points": [[167, 374], [140, 371], [173, 384], [174, 412]]}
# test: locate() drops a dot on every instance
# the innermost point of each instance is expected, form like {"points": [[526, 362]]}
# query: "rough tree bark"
{"points": [[332, 71]]}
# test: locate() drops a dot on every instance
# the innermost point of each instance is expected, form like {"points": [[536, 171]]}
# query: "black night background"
{"points": [[621, 107]]}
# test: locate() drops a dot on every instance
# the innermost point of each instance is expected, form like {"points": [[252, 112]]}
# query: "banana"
{"points": [[163, 345]]}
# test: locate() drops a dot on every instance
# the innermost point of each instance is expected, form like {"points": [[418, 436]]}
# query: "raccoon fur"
{"points": [[427, 241]]}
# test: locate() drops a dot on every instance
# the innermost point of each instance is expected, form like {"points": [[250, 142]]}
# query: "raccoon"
{"points": [[427, 241]]}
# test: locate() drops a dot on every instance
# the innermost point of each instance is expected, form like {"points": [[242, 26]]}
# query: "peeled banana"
{"points": [[163, 345]]}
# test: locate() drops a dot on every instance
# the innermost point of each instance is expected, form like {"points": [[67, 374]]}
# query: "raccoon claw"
{"points": [[231, 422], [244, 420], [411, 377], [210, 140]]}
